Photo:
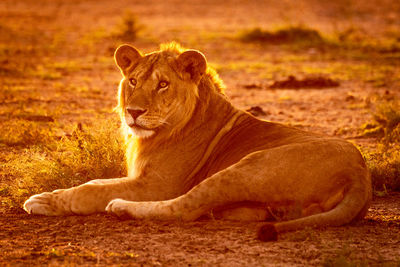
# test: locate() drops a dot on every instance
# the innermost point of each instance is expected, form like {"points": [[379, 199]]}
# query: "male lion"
{"points": [[191, 153]]}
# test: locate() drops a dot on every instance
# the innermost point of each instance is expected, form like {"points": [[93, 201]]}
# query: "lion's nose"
{"points": [[135, 113]]}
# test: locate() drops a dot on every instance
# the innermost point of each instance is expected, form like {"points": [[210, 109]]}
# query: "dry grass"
{"points": [[129, 28], [387, 119], [351, 42], [88, 153], [384, 163], [285, 35], [24, 133]]}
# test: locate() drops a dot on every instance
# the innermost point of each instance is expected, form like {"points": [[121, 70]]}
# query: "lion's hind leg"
{"points": [[169, 210], [220, 192], [242, 212], [353, 206]]}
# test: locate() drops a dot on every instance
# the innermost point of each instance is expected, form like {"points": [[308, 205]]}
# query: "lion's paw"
{"points": [[42, 204], [119, 207]]}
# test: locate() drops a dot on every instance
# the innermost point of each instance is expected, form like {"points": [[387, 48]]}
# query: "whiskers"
{"points": [[153, 120], [164, 122], [160, 120]]}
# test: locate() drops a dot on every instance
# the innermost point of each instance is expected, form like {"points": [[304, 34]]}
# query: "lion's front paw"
{"points": [[119, 207], [43, 204]]}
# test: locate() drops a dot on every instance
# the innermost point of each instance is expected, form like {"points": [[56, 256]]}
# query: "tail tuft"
{"points": [[267, 232]]}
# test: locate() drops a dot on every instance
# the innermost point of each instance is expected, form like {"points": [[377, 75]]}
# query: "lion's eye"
{"points": [[162, 84], [132, 82]]}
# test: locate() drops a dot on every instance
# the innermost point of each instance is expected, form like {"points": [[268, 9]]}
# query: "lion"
{"points": [[191, 153]]}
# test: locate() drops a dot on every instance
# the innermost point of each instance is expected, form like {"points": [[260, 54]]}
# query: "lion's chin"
{"points": [[140, 132]]}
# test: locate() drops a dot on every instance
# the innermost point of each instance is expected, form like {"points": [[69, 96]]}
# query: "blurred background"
{"points": [[326, 66], [330, 67]]}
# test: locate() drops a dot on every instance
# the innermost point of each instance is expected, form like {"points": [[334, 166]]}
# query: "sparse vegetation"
{"points": [[25, 133], [88, 153], [350, 42], [386, 124], [285, 35], [384, 163], [358, 38], [129, 27], [310, 82]]}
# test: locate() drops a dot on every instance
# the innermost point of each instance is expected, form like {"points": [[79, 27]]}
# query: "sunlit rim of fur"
{"points": [[175, 48], [132, 140]]}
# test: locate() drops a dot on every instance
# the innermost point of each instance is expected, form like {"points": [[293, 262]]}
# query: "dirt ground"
{"points": [[106, 240], [57, 56]]}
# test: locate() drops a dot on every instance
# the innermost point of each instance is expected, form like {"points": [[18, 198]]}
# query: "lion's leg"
{"points": [[242, 213], [334, 198], [353, 206], [233, 185], [213, 193], [85, 199], [107, 181], [240, 183]]}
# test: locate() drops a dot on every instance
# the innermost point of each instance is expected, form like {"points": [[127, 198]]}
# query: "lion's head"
{"points": [[159, 91]]}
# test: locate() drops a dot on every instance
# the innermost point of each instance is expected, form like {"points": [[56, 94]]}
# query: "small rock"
{"points": [[256, 111], [350, 98], [252, 86]]}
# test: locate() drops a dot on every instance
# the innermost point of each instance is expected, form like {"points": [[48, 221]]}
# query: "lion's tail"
{"points": [[354, 206]]}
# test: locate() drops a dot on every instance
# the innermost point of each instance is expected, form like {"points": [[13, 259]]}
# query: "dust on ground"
{"points": [[74, 77]]}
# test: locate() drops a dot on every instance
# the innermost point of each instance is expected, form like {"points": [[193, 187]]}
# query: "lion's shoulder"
{"points": [[249, 135]]}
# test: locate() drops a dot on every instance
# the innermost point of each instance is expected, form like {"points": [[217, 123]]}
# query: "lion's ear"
{"points": [[194, 63], [126, 57]]}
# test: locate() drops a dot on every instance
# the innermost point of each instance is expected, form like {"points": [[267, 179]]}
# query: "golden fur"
{"points": [[211, 80], [191, 153]]}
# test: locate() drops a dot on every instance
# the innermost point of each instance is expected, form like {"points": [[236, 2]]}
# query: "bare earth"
{"points": [[105, 240], [77, 34]]}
